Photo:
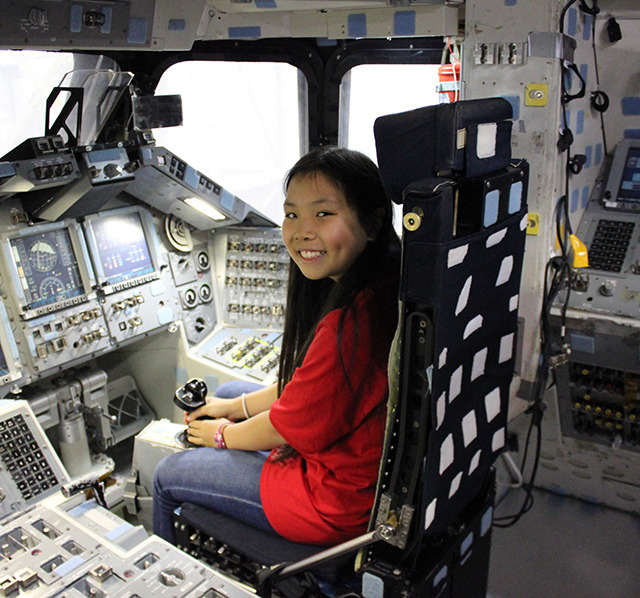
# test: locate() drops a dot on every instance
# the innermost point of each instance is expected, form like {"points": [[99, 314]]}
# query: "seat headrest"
{"points": [[463, 139]]}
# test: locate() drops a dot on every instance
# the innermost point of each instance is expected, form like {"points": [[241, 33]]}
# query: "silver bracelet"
{"points": [[244, 406]]}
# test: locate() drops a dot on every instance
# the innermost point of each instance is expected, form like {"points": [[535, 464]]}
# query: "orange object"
{"points": [[448, 86]]}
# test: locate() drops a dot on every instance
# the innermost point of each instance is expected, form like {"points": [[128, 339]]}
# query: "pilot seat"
{"points": [[451, 366]]}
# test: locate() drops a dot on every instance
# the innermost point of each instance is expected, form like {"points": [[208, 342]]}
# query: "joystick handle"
{"points": [[191, 396]]}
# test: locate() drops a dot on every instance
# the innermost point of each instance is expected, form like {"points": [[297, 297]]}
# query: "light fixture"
{"points": [[204, 208]]}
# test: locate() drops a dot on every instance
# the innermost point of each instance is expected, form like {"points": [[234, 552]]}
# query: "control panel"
{"points": [[72, 547]]}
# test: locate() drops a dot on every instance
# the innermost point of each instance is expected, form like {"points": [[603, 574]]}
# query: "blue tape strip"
{"points": [[572, 22], [580, 122], [585, 196], [177, 24], [266, 4], [588, 152], [631, 106], [404, 22], [107, 11], [574, 200], [137, 31], [72, 564], [165, 316], [227, 200], [584, 71], [241, 32], [440, 576], [632, 133], [75, 18], [586, 27], [80, 510], [491, 204], [598, 158], [510, 2], [357, 25], [114, 534]]}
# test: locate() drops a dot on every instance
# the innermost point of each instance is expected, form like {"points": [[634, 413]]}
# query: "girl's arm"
{"points": [[254, 434], [256, 402]]}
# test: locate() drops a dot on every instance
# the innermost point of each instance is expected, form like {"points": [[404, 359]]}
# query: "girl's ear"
{"points": [[375, 224]]}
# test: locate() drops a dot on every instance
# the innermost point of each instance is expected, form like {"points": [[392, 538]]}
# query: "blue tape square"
{"points": [[515, 104], [491, 205], [244, 32], [357, 25], [586, 27], [107, 11], [583, 344], [177, 24], [266, 4], [75, 18], [404, 22], [572, 22], [584, 71], [137, 31], [574, 200], [598, 158], [631, 106], [632, 133], [515, 197], [227, 200], [588, 152]]}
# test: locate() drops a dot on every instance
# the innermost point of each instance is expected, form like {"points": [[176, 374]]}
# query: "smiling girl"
{"points": [[324, 421]]}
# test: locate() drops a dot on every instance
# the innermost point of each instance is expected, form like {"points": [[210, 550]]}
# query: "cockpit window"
{"points": [[241, 125], [26, 80], [372, 90]]}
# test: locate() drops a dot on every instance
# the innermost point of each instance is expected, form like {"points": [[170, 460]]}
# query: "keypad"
{"points": [[610, 244], [23, 458]]}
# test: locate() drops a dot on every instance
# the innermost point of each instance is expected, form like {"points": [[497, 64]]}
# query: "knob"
{"points": [[606, 290]]}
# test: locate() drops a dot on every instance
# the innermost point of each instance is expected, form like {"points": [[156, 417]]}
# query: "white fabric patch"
{"points": [[430, 513], [496, 238], [455, 484], [464, 295], [524, 222], [506, 267], [487, 135], [498, 440], [472, 326], [479, 361], [456, 256], [513, 302], [469, 428], [455, 384], [492, 404], [441, 409], [446, 453], [506, 348], [475, 461], [442, 361]]}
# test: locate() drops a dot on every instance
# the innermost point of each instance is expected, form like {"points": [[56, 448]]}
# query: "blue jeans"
{"points": [[225, 481]]}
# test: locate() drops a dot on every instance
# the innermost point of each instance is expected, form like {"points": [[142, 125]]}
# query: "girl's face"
{"points": [[321, 232]]}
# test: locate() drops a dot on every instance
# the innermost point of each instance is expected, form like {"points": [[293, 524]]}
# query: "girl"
{"points": [[324, 421]]}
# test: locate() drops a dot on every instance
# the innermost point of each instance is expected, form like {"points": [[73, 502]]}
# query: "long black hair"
{"points": [[308, 301]]}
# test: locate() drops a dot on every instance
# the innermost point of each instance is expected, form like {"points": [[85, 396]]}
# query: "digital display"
{"points": [[630, 181], [122, 247], [47, 267]]}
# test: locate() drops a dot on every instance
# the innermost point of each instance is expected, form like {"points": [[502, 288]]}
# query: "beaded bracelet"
{"points": [[244, 406], [218, 438]]}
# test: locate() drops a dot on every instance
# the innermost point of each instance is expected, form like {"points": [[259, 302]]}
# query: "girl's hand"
{"points": [[202, 431], [215, 409]]}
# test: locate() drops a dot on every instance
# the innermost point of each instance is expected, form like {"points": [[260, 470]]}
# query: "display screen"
{"points": [[122, 247], [47, 267], [630, 181]]}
